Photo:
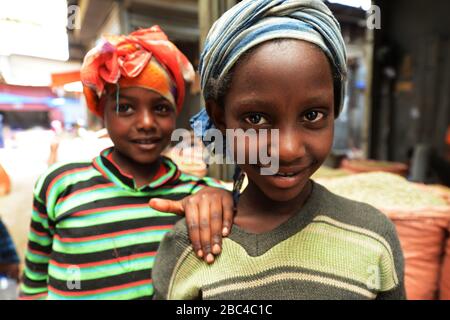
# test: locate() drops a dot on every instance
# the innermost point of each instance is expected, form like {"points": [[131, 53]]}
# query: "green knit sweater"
{"points": [[333, 248]]}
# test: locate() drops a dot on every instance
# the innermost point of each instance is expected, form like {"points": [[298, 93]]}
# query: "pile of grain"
{"points": [[325, 172], [384, 190]]}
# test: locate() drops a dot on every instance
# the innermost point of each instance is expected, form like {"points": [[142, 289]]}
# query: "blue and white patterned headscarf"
{"points": [[252, 22]]}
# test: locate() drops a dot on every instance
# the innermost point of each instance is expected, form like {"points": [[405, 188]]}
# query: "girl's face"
{"points": [[287, 86], [142, 127]]}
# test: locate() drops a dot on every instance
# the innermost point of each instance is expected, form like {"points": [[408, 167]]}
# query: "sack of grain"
{"points": [[444, 285], [444, 282], [421, 218], [422, 236], [360, 166]]}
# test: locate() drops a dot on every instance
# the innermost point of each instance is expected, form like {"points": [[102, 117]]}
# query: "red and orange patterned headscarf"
{"points": [[145, 58]]}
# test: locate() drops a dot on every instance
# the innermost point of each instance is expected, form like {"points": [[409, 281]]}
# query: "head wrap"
{"points": [[145, 58], [252, 22]]}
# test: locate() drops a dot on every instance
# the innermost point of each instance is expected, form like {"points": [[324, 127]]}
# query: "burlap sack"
{"points": [[422, 237], [360, 166], [444, 286]]}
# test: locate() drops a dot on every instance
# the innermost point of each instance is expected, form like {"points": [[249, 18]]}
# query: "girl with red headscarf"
{"points": [[93, 234]]}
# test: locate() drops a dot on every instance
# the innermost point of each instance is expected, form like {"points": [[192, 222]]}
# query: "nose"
{"points": [[146, 120], [291, 146]]}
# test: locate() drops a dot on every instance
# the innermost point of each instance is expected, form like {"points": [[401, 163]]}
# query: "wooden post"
{"points": [[208, 12], [366, 129]]}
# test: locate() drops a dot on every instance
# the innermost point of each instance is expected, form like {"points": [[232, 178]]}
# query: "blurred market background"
{"points": [[392, 142]]}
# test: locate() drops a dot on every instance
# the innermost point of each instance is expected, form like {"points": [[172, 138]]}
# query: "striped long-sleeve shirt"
{"points": [[93, 235]]}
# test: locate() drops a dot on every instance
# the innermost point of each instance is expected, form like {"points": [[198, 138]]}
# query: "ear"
{"points": [[217, 114]]}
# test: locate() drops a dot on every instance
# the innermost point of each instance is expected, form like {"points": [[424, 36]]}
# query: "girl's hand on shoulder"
{"points": [[209, 217]]}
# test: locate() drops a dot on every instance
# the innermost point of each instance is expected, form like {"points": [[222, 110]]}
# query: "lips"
{"points": [[287, 178], [146, 140], [146, 143], [287, 174]]}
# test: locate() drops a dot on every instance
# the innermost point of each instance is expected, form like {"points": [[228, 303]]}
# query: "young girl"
{"points": [[93, 235], [281, 65]]}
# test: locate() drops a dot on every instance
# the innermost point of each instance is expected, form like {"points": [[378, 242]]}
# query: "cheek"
{"points": [[231, 122], [167, 125], [329, 136], [257, 148], [116, 127], [320, 145], [248, 147]]}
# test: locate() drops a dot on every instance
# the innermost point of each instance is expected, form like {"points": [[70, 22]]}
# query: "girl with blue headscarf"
{"points": [[280, 65]]}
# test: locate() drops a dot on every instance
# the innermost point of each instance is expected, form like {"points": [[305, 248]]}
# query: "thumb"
{"points": [[167, 206]]}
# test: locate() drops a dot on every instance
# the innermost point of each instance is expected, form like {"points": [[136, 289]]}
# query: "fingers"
{"points": [[228, 214], [216, 225], [167, 206], [205, 231], [192, 222], [209, 217]]}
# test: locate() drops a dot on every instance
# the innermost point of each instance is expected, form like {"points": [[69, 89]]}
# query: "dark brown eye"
{"points": [[313, 116], [256, 119], [163, 108], [124, 107]]}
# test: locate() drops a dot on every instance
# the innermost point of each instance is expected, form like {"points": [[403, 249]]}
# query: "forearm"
{"points": [[35, 275], [37, 255]]}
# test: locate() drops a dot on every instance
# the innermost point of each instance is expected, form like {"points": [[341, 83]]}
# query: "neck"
{"points": [[259, 213], [142, 173]]}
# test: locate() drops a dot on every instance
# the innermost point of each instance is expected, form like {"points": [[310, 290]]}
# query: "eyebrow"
{"points": [[132, 98], [316, 99], [254, 102], [124, 96]]}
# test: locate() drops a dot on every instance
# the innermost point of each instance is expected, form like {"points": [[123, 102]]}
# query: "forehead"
{"points": [[135, 94], [289, 67]]}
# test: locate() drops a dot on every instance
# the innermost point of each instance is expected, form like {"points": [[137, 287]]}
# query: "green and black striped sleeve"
{"points": [[40, 237]]}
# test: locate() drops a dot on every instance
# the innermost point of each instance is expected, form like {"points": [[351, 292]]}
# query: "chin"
{"points": [[280, 194], [144, 157], [283, 195], [276, 190], [147, 159]]}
